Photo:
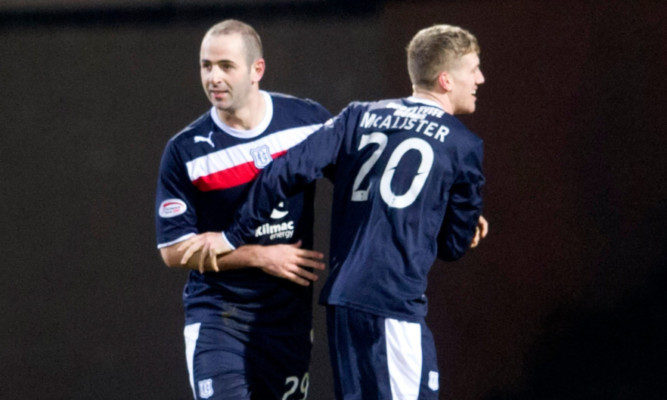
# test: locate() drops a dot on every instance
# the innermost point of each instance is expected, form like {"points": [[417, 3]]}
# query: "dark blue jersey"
{"points": [[204, 177], [407, 182]]}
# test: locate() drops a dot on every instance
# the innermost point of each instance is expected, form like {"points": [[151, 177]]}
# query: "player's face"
{"points": [[225, 74], [466, 77]]}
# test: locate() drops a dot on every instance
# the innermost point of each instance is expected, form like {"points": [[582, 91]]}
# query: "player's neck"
{"points": [[440, 98], [248, 116]]}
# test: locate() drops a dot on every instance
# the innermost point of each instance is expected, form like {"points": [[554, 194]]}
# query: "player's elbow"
{"points": [[170, 257], [452, 250], [450, 255]]}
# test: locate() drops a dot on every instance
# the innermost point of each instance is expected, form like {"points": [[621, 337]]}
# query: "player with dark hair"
{"points": [[407, 188], [248, 313]]}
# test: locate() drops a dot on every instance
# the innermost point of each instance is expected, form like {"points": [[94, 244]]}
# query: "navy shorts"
{"points": [[376, 357], [232, 365]]}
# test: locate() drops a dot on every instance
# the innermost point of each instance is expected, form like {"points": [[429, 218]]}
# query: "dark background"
{"points": [[564, 300]]}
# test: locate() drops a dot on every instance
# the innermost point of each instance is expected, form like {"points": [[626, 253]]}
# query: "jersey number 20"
{"points": [[392, 199]]}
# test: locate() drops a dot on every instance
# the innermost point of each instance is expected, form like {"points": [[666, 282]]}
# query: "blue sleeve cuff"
{"points": [[226, 239]]}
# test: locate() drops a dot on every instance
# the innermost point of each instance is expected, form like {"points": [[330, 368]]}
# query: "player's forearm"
{"points": [[243, 257], [454, 239], [172, 258], [458, 227]]}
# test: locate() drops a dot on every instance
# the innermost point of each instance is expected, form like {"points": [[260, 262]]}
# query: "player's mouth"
{"points": [[218, 94]]}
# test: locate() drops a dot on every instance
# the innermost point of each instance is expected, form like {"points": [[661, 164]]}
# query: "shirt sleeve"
{"points": [[175, 215], [286, 176], [464, 207]]}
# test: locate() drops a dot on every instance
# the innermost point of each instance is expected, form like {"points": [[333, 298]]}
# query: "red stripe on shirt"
{"points": [[230, 177]]}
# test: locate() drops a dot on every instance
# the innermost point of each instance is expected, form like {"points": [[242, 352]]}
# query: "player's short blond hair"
{"points": [[436, 49], [251, 39]]}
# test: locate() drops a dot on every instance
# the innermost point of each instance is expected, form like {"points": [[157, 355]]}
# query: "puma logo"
{"points": [[199, 139]]}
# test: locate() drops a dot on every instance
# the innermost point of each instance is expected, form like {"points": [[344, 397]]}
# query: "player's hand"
{"points": [[288, 261], [481, 231], [209, 245]]}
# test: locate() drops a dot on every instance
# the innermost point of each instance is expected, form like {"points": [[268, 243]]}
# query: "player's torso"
{"points": [[221, 164], [392, 181]]}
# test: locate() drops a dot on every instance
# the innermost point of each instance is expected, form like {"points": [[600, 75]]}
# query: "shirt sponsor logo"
{"points": [[284, 230], [172, 208], [280, 211], [277, 230]]}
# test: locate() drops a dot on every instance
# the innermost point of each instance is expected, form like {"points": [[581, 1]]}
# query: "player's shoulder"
{"points": [[376, 105], [359, 107], [462, 138], [460, 129], [200, 126], [296, 104]]}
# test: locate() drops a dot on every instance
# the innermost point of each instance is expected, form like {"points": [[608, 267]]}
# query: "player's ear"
{"points": [[257, 70], [445, 81]]}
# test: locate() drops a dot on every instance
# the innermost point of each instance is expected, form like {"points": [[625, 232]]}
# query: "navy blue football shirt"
{"points": [[407, 188], [205, 174]]}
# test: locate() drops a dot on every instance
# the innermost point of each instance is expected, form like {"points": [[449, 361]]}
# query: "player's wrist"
{"points": [[227, 241]]}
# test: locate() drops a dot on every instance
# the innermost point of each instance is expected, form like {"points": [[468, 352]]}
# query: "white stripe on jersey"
{"points": [[404, 358], [191, 334], [180, 239], [233, 156]]}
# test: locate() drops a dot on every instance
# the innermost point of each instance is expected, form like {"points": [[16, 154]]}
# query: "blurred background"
{"points": [[564, 300]]}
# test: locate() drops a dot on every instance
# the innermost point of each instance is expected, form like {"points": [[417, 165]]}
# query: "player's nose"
{"points": [[480, 77], [216, 75]]}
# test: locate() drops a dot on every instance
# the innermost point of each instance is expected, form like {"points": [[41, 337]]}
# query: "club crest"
{"points": [[261, 156], [205, 388], [433, 380]]}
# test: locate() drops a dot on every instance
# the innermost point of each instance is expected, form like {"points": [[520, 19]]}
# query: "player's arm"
{"points": [[463, 224], [209, 252], [281, 179], [198, 252], [288, 175]]}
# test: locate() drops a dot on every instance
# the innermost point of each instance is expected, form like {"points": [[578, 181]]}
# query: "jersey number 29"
{"points": [[293, 383]]}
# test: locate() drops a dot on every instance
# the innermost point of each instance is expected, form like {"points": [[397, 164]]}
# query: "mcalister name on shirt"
{"points": [[408, 118]]}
